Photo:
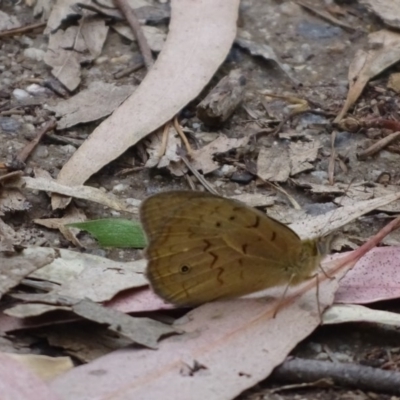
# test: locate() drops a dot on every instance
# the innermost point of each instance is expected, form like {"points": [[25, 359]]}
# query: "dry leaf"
{"points": [[384, 51], [143, 331], [80, 192], [16, 267], [77, 276], [97, 101], [155, 36], [343, 313], [19, 383], [72, 214], [12, 200], [202, 159], [160, 153], [301, 155], [200, 37], [227, 347], [84, 341], [8, 22], [273, 164], [374, 278], [44, 367], [387, 10]]}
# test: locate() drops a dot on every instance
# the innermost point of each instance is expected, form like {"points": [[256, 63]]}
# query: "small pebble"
{"points": [[29, 128], [68, 149], [9, 125], [321, 176], [133, 202], [124, 59], [20, 94], [387, 155], [342, 357], [120, 188], [101, 60], [41, 152], [34, 54], [243, 177], [36, 89]]}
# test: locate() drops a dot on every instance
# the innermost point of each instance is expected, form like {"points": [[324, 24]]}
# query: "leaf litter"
{"points": [[300, 136]]}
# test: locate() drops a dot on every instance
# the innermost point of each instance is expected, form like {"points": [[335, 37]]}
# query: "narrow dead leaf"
{"points": [[343, 313], [143, 331], [79, 192]]}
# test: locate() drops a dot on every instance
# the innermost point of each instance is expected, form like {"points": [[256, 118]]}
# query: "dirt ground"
{"points": [[316, 54]]}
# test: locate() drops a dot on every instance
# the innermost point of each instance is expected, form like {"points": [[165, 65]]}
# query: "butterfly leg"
{"points": [[283, 296], [325, 273]]}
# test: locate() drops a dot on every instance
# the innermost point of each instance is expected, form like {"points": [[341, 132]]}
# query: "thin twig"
{"points": [[22, 29], [326, 16], [275, 186], [22, 156], [379, 145], [199, 177], [133, 22], [164, 139], [331, 166], [343, 374], [183, 136]]}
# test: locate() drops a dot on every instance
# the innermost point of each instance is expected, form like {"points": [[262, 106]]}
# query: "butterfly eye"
{"points": [[185, 269]]}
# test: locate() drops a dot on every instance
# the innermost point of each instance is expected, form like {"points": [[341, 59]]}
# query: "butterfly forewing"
{"points": [[203, 247]]}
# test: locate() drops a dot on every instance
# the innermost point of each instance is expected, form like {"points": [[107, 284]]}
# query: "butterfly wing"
{"points": [[204, 247]]}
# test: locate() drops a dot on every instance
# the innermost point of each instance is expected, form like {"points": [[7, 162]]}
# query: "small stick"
{"points": [[343, 374], [379, 145], [22, 156], [164, 139], [331, 166], [133, 22], [22, 29], [183, 136], [199, 177]]}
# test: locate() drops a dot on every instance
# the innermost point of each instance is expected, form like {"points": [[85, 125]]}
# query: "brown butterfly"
{"points": [[204, 247]]}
